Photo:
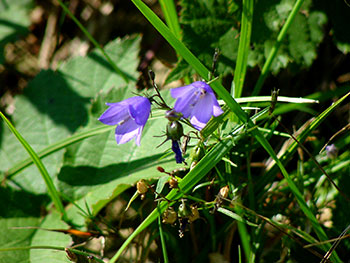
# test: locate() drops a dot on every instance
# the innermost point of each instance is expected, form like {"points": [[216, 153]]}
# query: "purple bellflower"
{"points": [[130, 116], [174, 131], [176, 149], [197, 102]]}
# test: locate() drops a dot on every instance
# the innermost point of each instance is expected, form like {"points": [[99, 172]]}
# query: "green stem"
{"points": [[243, 48]]}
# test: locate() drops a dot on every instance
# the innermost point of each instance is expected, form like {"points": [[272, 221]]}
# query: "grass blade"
{"points": [[243, 48], [170, 14], [48, 181]]}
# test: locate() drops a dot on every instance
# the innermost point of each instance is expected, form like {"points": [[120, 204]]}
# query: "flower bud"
{"points": [[174, 130], [160, 169], [197, 153]]}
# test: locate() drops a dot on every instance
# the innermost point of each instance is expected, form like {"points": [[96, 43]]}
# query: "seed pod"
{"points": [[142, 187], [169, 216], [224, 191], [194, 213], [173, 183], [183, 210], [174, 130]]}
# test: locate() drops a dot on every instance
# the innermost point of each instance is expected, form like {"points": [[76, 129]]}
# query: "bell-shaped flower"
{"points": [[130, 116], [174, 132], [197, 102]]}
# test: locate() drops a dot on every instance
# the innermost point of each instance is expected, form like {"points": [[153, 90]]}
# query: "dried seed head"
{"points": [[194, 213], [224, 191], [142, 187], [173, 183], [169, 216]]}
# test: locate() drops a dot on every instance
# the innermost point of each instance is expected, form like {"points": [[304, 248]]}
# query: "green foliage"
{"points": [[14, 21], [232, 180], [209, 25]]}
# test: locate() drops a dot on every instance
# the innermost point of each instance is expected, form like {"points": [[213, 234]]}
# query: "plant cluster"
{"points": [[235, 179]]}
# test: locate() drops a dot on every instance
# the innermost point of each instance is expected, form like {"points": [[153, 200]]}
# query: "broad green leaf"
{"points": [[12, 238], [20, 214], [55, 104], [43, 237]]}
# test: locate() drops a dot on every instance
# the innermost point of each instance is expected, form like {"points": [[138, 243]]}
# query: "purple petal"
{"points": [[176, 149], [128, 131], [140, 109], [186, 103], [216, 107], [116, 113], [203, 109], [182, 91], [197, 124]]}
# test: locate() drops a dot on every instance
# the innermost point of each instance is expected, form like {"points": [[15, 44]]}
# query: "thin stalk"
{"points": [[162, 240], [243, 48]]}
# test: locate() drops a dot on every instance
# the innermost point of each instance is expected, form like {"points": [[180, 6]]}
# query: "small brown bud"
{"points": [[194, 213], [224, 191], [160, 169], [142, 187], [169, 216], [173, 183]]}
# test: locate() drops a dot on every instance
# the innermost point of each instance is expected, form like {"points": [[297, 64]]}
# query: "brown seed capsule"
{"points": [[224, 191], [142, 187], [169, 216], [194, 213], [173, 183]]}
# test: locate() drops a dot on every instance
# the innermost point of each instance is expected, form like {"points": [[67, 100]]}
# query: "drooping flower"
{"points": [[197, 102], [130, 116], [174, 132], [176, 149]]}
